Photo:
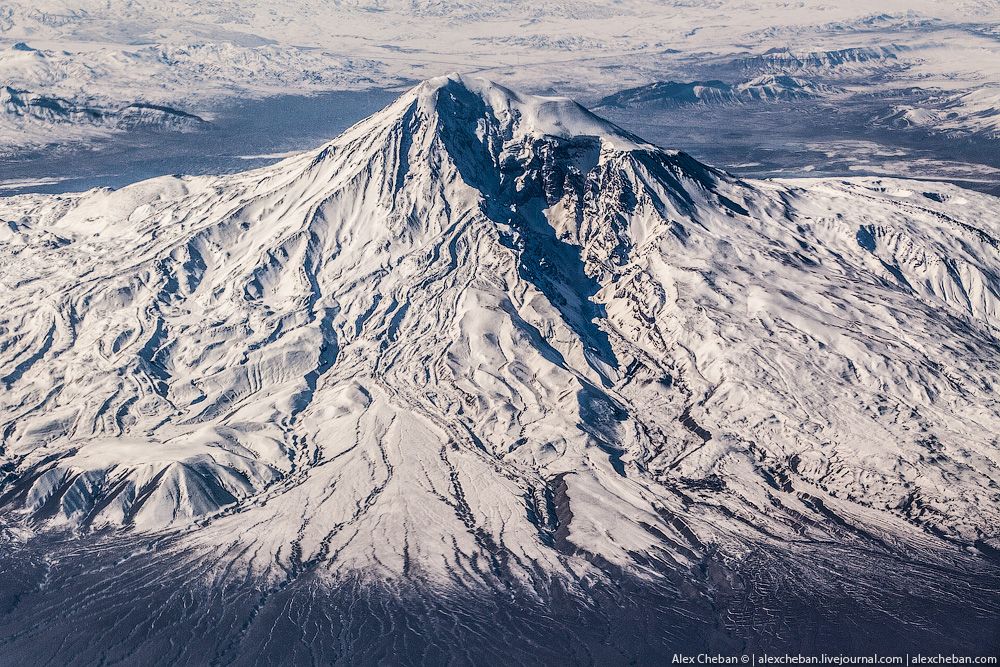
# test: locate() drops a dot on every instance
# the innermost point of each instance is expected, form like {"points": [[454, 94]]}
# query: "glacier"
{"points": [[492, 346]]}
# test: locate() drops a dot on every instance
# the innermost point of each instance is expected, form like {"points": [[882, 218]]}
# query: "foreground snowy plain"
{"points": [[487, 351]]}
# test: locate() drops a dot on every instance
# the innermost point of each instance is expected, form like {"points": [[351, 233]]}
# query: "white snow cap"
{"points": [[531, 114]]}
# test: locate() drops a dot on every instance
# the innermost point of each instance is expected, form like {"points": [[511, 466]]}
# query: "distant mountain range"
{"points": [[766, 88], [22, 106], [783, 60]]}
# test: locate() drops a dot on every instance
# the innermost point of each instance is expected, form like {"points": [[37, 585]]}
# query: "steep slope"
{"points": [[490, 337]]}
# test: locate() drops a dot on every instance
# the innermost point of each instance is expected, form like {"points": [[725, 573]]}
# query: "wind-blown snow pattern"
{"points": [[484, 336]]}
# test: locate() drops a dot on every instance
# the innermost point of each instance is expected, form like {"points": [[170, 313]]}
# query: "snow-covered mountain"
{"points": [[768, 88], [484, 336], [860, 58], [974, 113], [25, 107]]}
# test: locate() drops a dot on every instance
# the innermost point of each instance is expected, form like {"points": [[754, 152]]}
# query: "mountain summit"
{"points": [[452, 98], [485, 336]]}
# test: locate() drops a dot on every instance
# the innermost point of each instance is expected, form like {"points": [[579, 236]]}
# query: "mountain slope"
{"points": [[490, 337]]}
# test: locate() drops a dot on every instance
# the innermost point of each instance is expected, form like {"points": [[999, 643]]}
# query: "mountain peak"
{"points": [[519, 113]]}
